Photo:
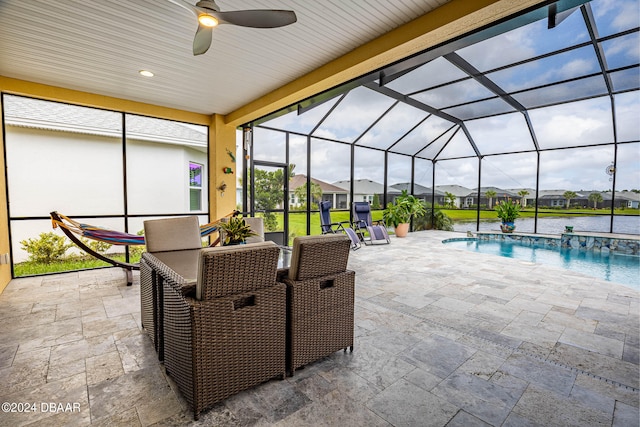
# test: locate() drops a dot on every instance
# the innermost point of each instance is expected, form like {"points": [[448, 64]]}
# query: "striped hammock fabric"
{"points": [[111, 236]]}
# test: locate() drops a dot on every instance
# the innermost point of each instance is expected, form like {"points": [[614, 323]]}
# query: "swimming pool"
{"points": [[622, 269]]}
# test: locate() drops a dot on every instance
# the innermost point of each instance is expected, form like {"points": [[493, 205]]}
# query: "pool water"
{"points": [[622, 269]]}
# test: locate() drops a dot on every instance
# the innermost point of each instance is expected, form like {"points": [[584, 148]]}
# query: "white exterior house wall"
{"points": [[81, 175]]}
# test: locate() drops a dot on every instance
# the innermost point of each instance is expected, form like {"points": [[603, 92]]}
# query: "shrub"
{"points": [[96, 245], [48, 248]]}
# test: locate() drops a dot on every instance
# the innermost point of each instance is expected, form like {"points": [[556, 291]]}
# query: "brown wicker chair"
{"points": [[162, 235], [320, 299], [231, 335]]}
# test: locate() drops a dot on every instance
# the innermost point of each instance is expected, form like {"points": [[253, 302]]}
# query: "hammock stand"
{"points": [[73, 228]]}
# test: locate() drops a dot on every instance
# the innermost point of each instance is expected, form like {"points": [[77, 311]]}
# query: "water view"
{"points": [[600, 223]]}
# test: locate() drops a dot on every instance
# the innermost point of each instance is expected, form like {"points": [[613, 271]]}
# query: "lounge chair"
{"points": [[362, 222], [320, 299], [329, 227]]}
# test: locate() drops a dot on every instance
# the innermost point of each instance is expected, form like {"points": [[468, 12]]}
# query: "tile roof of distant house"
{"points": [[300, 180], [456, 190], [418, 189], [39, 114], [365, 186]]}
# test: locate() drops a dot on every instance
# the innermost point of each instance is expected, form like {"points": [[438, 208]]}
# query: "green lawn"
{"points": [[68, 264]]}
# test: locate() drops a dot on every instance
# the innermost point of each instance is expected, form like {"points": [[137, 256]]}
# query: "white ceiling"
{"points": [[99, 46]]}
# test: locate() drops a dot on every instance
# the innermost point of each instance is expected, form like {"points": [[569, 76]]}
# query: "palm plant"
{"points": [[490, 194], [569, 195]]}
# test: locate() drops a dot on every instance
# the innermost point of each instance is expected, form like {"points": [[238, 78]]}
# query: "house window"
{"points": [[195, 186]]}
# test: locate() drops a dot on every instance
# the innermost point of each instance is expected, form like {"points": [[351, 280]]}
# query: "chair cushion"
{"points": [[172, 234], [225, 270], [257, 226], [317, 256]]}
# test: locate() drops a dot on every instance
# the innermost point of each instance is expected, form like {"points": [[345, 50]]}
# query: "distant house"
{"points": [[366, 190], [420, 191], [628, 199], [338, 197], [464, 197], [501, 194]]}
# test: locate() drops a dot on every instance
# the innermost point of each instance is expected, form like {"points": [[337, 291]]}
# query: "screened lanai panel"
{"points": [[628, 168], [615, 16], [399, 171], [167, 166], [297, 189], [573, 124], [269, 145], [298, 153], [583, 171], [435, 146], [627, 108], [400, 120], [303, 123], [331, 163], [423, 135], [526, 42], [622, 51], [563, 92], [512, 172], [453, 94], [474, 110], [62, 157], [433, 73], [552, 69], [458, 177], [368, 172], [458, 146], [354, 114], [627, 179], [501, 134], [625, 79], [423, 174]]}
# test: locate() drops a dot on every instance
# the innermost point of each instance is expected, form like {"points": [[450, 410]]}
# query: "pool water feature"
{"points": [[618, 268]]}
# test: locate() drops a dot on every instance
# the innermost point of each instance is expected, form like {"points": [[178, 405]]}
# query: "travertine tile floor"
{"points": [[444, 338]]}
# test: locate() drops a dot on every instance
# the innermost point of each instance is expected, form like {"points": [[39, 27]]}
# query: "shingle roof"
{"points": [[300, 180], [39, 114]]}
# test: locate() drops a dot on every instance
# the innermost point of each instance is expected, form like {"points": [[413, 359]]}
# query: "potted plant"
{"points": [[399, 212], [235, 231], [508, 211]]}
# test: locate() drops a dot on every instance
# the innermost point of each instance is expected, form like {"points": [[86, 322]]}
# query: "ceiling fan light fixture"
{"points": [[207, 20]]}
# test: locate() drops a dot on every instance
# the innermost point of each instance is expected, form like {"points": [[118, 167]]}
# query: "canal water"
{"points": [[599, 223]]}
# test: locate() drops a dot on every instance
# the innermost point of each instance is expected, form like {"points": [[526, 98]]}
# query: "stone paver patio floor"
{"points": [[444, 337]]}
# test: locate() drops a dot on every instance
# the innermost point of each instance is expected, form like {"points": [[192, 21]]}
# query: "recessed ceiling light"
{"points": [[146, 73]]}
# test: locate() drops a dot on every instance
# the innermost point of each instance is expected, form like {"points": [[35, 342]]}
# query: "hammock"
{"points": [[111, 236], [73, 228]]}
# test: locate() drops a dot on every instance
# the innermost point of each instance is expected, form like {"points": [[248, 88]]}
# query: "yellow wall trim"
{"points": [[86, 99]]}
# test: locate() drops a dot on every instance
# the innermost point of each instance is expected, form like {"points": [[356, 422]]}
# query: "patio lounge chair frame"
{"points": [[362, 222], [329, 227]]}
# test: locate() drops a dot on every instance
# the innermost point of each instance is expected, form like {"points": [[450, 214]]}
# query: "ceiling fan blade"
{"points": [[258, 18], [202, 40], [188, 6]]}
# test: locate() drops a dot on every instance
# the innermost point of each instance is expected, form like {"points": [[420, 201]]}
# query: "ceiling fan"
{"points": [[209, 16]]}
